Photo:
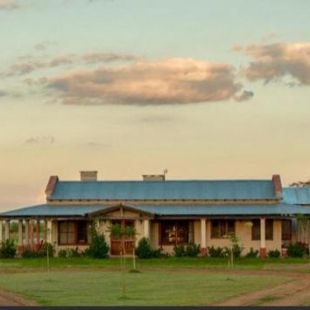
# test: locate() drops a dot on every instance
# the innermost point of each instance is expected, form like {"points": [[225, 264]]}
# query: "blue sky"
{"points": [[206, 89]]}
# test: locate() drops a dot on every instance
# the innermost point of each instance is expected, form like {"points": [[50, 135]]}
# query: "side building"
{"points": [[260, 213]]}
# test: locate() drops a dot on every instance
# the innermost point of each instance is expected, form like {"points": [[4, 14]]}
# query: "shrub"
{"points": [[29, 254], [63, 253], [98, 247], [192, 250], [297, 249], [179, 251], [74, 253], [42, 252], [274, 254], [144, 249], [7, 249], [216, 252], [234, 246], [252, 253]]}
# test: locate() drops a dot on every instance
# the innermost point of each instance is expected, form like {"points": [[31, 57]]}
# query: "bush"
{"points": [[252, 253], [144, 249], [216, 252], [274, 254], [42, 252], [74, 253], [179, 251], [29, 254], [297, 249], [63, 253], [7, 249], [192, 250], [98, 247]]}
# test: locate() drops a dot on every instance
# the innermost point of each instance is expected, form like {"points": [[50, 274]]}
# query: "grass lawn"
{"points": [[102, 287], [167, 281]]}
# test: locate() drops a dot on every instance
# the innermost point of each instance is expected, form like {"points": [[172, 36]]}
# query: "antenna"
{"points": [[165, 171]]}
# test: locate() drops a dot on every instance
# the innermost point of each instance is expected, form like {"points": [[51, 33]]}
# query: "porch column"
{"points": [[1, 234], [20, 232], [7, 230], [31, 233], [49, 231], [45, 231], [27, 232], [146, 229], [263, 252], [38, 232], [203, 236]]}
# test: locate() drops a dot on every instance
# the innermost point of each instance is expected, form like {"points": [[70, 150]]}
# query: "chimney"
{"points": [[277, 185], [154, 177], [88, 176], [51, 185]]}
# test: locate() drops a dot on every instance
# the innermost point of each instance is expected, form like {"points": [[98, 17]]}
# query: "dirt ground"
{"points": [[9, 299], [296, 292]]}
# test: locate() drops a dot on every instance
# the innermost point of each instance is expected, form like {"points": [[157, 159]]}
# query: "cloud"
{"points": [[245, 95], [168, 81], [3, 93], [8, 5], [277, 61], [41, 140], [108, 57], [28, 64]]}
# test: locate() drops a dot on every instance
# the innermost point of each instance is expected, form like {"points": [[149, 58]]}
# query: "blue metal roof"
{"points": [[224, 210], [164, 210], [53, 210], [149, 190], [296, 195]]}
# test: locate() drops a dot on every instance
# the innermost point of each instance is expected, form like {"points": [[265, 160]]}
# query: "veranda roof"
{"points": [[47, 210]]}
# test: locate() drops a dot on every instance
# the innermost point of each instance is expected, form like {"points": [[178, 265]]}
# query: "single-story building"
{"points": [[169, 212]]}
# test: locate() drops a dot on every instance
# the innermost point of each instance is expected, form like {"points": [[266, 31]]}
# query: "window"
{"points": [[71, 233], [286, 230], [256, 229], [222, 228], [173, 233]]}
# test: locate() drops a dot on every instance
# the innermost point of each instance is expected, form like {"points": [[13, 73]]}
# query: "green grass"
{"points": [[166, 281], [170, 262], [103, 287]]}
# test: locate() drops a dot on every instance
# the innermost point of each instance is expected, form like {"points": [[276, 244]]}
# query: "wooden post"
{"points": [[27, 232], [20, 232], [7, 230], [38, 232], [1, 233], [31, 234]]}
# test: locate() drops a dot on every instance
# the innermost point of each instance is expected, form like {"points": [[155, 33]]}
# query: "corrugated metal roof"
{"points": [[280, 209], [164, 210], [296, 195], [53, 210], [181, 189]]}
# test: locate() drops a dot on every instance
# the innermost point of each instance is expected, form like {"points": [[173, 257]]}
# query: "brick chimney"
{"points": [[89, 175], [154, 177], [277, 185], [50, 187]]}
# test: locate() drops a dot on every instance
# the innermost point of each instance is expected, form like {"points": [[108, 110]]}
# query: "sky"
{"points": [[205, 89]]}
